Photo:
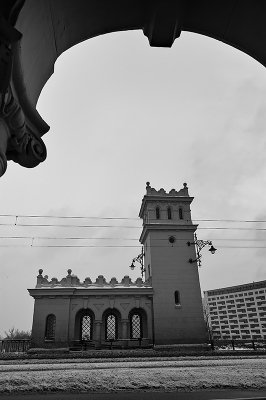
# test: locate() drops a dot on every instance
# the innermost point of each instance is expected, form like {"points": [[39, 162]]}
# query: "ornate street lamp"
{"points": [[139, 259], [200, 244]]}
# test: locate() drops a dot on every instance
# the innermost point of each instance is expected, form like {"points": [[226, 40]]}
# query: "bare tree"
{"points": [[17, 334], [206, 313]]}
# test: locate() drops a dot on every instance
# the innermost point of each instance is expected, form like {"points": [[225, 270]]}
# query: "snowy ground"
{"points": [[149, 375]]}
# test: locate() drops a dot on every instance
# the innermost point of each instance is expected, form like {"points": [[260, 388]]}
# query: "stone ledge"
{"points": [[40, 350], [186, 347]]}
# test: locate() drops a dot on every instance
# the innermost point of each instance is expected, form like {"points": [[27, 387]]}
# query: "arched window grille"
{"points": [[177, 298], [181, 216], [50, 327], [111, 332], [157, 211], [86, 327], [169, 213], [136, 326]]}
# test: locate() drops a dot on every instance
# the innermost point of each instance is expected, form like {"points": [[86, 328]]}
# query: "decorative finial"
{"points": [[40, 271], [185, 185], [69, 271], [147, 185]]}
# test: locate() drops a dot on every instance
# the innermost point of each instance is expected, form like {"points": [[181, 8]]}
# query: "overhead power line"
{"points": [[232, 229], [66, 238], [125, 227], [121, 238], [121, 218], [229, 220], [65, 217], [117, 246], [73, 226]]}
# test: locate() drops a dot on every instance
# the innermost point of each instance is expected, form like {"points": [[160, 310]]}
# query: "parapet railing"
{"points": [[14, 345]]}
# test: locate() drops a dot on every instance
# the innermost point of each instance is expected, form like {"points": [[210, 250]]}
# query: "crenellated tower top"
{"points": [[161, 192], [159, 206]]}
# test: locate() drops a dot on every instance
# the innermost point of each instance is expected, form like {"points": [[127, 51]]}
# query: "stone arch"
{"points": [[50, 327], [45, 29], [83, 312], [143, 322], [118, 328]]}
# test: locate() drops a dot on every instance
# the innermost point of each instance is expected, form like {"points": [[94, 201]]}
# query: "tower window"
{"points": [[181, 216], [169, 213], [157, 211], [50, 327], [177, 298]]}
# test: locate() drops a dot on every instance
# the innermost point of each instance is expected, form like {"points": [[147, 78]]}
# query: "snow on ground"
{"points": [[162, 375]]}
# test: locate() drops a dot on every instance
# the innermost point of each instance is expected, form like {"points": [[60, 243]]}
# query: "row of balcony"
{"points": [[238, 302]]}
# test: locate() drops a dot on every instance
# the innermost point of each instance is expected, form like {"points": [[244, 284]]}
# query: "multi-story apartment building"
{"points": [[237, 312]]}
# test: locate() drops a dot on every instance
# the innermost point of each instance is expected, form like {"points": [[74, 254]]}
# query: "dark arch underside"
{"points": [[50, 27]]}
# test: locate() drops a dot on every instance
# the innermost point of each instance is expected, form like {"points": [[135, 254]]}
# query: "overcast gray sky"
{"points": [[123, 113]]}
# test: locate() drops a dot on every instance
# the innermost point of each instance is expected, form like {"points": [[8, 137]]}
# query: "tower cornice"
{"points": [[163, 227]]}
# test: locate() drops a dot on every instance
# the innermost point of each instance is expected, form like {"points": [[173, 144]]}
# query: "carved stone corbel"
{"points": [[164, 19], [23, 146], [17, 141]]}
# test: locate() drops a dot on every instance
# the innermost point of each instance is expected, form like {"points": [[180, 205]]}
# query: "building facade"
{"points": [[237, 312], [164, 309], [68, 312]]}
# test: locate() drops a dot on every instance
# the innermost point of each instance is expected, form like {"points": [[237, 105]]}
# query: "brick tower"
{"points": [[177, 304]]}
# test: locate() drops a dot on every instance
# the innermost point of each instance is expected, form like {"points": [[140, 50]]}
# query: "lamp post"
{"points": [[139, 259], [200, 244]]}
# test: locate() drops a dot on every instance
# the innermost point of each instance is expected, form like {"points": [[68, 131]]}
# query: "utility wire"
{"points": [[65, 217], [229, 220], [74, 226], [120, 238], [126, 227], [122, 218], [232, 229], [67, 238], [33, 244], [120, 246]]}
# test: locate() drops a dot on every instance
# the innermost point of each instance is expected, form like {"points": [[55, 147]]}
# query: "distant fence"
{"points": [[238, 344], [23, 345], [14, 345]]}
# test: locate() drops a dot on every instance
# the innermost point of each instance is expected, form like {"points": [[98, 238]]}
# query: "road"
{"points": [[202, 395]]}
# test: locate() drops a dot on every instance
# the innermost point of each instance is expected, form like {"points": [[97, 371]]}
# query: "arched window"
{"points": [[111, 331], [86, 327], [135, 326], [169, 213], [181, 216], [177, 298], [157, 211], [50, 327]]}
